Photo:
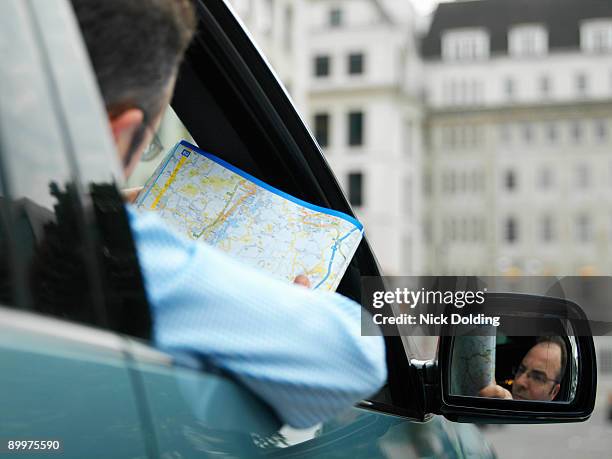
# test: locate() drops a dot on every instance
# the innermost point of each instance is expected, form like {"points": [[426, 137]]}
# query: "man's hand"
{"points": [[495, 391], [302, 280], [130, 194]]}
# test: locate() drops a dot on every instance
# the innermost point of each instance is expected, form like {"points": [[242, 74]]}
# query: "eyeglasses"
{"points": [[154, 148], [537, 376]]}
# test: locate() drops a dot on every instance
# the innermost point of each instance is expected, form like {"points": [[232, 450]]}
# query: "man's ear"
{"points": [[555, 391], [124, 126]]}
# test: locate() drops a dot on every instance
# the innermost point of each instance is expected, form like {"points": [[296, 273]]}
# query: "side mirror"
{"points": [[537, 366]]}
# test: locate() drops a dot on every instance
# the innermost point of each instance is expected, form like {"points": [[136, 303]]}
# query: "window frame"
{"points": [[321, 66], [519, 37], [355, 64], [355, 128]]}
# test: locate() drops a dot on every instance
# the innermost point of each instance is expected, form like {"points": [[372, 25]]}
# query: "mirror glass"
{"points": [[527, 368]]}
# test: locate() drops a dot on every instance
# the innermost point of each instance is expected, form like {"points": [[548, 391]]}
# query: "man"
{"points": [[299, 350], [539, 375]]}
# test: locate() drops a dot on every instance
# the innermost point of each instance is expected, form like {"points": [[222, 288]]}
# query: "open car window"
{"points": [[171, 130]]}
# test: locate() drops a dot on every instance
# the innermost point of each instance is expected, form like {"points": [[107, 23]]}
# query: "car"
{"points": [[80, 372]]}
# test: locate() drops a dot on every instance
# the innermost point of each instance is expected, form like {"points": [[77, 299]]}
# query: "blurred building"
{"points": [[519, 134], [518, 164], [353, 69], [484, 148]]}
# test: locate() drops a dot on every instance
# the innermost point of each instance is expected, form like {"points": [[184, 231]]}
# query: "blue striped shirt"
{"points": [[300, 350]]}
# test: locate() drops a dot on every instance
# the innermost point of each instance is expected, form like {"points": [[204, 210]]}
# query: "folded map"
{"points": [[207, 199]]}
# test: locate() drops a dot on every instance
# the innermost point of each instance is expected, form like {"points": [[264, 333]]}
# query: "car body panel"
{"points": [[67, 383], [196, 413]]}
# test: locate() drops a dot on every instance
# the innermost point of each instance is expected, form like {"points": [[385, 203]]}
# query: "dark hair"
{"points": [[135, 47], [561, 343]]}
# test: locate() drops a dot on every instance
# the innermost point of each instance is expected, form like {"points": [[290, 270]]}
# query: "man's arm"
{"points": [[299, 350]]}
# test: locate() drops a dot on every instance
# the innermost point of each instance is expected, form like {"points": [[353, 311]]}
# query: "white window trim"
{"points": [[518, 35], [589, 28], [466, 44]]}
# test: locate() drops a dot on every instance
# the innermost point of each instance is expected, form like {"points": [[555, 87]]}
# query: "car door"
{"points": [[65, 381], [232, 105]]}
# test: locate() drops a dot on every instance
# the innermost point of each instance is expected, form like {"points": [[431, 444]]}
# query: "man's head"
{"points": [[135, 47], [541, 370]]}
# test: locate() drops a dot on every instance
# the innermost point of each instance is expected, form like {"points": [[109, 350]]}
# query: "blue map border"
{"points": [[255, 180]]}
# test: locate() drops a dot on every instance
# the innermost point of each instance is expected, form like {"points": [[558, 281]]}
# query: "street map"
{"points": [[208, 199]]}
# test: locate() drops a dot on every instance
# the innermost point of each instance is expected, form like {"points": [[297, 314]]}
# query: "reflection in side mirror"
{"points": [[494, 374], [515, 367]]}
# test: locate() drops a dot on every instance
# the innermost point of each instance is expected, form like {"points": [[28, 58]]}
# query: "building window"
{"points": [[510, 180], [463, 229], [510, 230], [407, 255], [452, 182], [583, 228], [321, 66], [551, 132], [408, 137], [505, 134], [427, 231], [576, 131], [581, 84], [321, 123], [601, 130], [583, 176], [452, 137], [546, 228], [445, 183], [427, 184], [477, 181], [604, 361], [355, 64], [596, 36], [355, 182], [509, 88], [462, 178], [527, 132], [528, 40], [545, 178], [355, 129], [545, 86], [466, 44], [408, 196], [288, 28], [335, 17], [475, 222]]}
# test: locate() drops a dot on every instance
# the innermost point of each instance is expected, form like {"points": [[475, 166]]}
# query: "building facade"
{"points": [[519, 129], [481, 148], [353, 69]]}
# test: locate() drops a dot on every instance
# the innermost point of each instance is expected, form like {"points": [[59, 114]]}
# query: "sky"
{"points": [[424, 10], [425, 7]]}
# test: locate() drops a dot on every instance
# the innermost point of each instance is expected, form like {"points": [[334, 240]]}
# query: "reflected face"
{"points": [[536, 378]]}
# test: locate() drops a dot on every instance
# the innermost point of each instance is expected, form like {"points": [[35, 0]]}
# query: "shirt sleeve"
{"points": [[300, 350]]}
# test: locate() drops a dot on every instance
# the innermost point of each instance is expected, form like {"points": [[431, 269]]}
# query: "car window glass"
{"points": [[69, 250], [39, 202]]}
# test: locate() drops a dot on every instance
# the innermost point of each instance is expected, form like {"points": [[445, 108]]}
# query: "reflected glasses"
{"points": [[538, 377]]}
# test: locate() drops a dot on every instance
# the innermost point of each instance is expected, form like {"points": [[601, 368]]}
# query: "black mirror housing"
{"points": [[523, 311]]}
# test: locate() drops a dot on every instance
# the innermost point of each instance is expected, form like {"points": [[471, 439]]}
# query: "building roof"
{"points": [[561, 17], [382, 11]]}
